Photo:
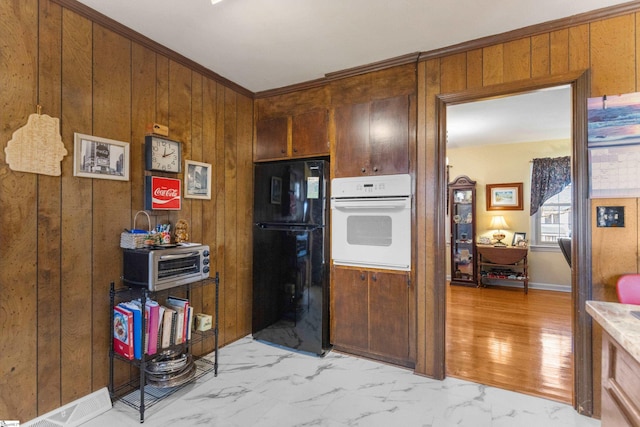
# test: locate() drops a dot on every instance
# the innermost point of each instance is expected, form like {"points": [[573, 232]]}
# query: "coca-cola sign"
{"points": [[162, 193]]}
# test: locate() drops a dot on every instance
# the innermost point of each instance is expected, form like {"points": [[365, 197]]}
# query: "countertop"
{"points": [[617, 321]]}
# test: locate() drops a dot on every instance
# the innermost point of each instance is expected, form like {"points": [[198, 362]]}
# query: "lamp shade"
{"points": [[498, 223]]}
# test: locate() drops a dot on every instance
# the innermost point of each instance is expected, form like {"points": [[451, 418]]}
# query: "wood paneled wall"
{"points": [[60, 235], [606, 47]]}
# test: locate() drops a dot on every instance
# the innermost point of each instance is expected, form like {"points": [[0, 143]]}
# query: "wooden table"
{"points": [[506, 258]]}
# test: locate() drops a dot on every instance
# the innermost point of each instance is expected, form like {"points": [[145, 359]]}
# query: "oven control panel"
{"points": [[372, 186]]}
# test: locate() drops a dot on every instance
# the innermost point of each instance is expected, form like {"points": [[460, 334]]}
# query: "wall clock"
{"points": [[162, 154]]}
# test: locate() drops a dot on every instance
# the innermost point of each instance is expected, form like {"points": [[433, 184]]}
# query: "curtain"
{"points": [[548, 178]]}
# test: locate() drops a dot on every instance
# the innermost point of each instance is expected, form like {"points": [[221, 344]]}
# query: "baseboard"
{"points": [[75, 413], [532, 285]]}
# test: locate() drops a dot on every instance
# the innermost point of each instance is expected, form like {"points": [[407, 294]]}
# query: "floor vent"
{"points": [[76, 412]]}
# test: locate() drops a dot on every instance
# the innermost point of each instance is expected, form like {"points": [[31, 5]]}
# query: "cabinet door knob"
{"points": [[362, 276], [363, 170], [375, 169], [374, 277], [295, 150], [283, 151]]}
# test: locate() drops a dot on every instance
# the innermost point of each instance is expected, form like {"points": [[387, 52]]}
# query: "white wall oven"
{"points": [[371, 221]]}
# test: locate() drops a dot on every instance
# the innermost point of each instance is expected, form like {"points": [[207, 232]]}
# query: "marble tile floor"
{"points": [[263, 385]]}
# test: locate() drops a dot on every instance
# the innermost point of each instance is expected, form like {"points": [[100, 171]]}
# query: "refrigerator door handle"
{"points": [[287, 227]]}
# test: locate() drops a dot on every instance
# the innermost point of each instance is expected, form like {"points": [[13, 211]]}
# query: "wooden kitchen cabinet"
{"points": [[295, 136], [620, 385], [372, 138], [271, 138], [350, 311], [389, 314], [620, 370], [309, 134], [370, 314], [352, 140]]}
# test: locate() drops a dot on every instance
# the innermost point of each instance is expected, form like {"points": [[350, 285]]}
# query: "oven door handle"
{"points": [[178, 256], [399, 203], [365, 264]]}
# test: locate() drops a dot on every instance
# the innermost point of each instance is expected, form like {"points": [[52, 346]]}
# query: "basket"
{"points": [[135, 238]]}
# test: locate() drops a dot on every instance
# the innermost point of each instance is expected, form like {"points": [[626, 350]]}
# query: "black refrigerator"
{"points": [[290, 255]]}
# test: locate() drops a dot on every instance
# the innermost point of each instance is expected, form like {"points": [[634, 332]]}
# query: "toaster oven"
{"points": [[164, 268]]}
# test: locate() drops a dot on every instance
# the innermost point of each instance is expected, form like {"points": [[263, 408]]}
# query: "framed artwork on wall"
{"points": [[95, 157], [504, 197], [197, 180], [610, 216]]}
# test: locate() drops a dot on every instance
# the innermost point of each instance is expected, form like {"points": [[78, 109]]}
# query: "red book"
{"points": [[123, 332]]}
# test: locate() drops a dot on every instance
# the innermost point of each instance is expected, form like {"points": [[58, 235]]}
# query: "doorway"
{"points": [[512, 339], [581, 271]]}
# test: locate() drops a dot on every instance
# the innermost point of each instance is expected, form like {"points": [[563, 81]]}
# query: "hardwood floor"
{"points": [[504, 338]]}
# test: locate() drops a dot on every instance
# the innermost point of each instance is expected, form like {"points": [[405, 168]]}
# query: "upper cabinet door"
{"points": [[372, 138], [309, 134], [271, 138], [352, 140], [389, 136]]}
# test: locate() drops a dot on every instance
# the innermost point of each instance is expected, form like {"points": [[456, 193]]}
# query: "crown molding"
{"points": [[349, 72], [533, 30]]}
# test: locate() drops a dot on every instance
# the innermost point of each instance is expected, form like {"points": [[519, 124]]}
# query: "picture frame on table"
{"points": [[518, 237], [103, 158], [197, 180], [504, 197]]}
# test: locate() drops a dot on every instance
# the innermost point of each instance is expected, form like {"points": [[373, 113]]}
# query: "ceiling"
{"points": [[268, 44], [543, 115]]}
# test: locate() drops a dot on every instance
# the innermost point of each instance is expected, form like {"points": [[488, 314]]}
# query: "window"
{"points": [[553, 220]]}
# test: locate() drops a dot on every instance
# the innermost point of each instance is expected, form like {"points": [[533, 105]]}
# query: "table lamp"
{"points": [[498, 223]]}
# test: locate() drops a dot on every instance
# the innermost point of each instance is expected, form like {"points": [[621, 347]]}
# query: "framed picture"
{"points": [[610, 216], [95, 157], [197, 180], [504, 197], [518, 237], [276, 190]]}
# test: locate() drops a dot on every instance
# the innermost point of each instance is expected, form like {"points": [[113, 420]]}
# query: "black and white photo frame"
{"points": [[197, 180]]}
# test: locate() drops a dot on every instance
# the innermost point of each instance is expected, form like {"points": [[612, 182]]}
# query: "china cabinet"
{"points": [[462, 212]]}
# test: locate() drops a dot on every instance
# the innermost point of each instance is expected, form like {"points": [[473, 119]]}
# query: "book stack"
{"points": [[165, 326]]}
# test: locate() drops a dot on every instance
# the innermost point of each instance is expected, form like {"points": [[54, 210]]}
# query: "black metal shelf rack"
{"points": [[136, 393]]}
